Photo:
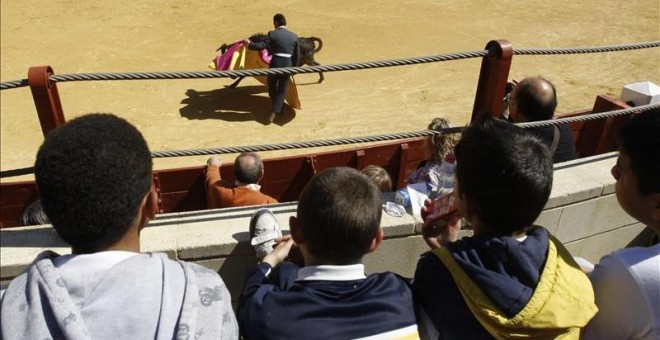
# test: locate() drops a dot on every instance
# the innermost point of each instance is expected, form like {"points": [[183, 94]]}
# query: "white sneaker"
{"points": [[264, 229], [272, 117]]}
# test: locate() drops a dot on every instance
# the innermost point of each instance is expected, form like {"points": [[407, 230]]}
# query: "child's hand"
{"points": [[441, 231], [425, 209], [280, 252]]}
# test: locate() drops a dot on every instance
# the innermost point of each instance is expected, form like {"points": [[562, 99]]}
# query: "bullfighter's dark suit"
{"points": [[283, 45]]}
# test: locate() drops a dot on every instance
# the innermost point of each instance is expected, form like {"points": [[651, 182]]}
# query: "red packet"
{"points": [[441, 207]]}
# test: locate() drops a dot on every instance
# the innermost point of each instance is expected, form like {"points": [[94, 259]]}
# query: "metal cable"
{"points": [[17, 172], [385, 137], [591, 116], [267, 71], [294, 145], [583, 50], [13, 84], [357, 140], [327, 68]]}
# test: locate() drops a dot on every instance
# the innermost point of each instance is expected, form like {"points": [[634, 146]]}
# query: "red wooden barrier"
{"points": [[492, 79], [600, 136], [46, 98]]}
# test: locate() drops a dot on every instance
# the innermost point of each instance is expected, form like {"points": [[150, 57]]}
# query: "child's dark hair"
{"points": [[92, 174], [505, 173], [640, 140], [339, 215]]}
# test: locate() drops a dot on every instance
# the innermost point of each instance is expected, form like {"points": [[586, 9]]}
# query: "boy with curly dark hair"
{"points": [[94, 178]]}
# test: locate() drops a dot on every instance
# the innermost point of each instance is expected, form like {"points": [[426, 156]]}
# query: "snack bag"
{"points": [[441, 207]]}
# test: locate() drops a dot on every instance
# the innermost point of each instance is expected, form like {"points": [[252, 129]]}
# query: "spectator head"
{"points": [[533, 99], [279, 20], [379, 176], [438, 146], [248, 168], [637, 170], [94, 178], [34, 215], [338, 218], [503, 177]]}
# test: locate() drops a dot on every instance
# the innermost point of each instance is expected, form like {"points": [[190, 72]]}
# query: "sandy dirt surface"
{"points": [[166, 35]]}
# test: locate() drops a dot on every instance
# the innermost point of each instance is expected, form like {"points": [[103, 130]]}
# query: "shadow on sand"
{"points": [[233, 105]]}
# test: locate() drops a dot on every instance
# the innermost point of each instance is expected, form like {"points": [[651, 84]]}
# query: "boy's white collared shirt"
{"points": [[332, 273]]}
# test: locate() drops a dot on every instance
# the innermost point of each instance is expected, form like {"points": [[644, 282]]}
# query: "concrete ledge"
{"points": [[20, 246], [193, 236], [594, 247], [582, 179], [550, 219], [582, 212], [592, 217]]}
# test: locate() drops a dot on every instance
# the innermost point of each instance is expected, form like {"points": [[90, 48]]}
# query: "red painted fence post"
{"points": [[493, 78], [46, 98]]}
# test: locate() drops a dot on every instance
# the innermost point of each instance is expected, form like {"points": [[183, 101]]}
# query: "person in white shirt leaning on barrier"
{"points": [[627, 282]]}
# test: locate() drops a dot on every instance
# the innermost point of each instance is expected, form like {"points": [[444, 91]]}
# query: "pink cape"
{"points": [[223, 62]]}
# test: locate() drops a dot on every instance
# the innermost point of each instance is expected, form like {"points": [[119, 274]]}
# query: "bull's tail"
{"points": [[320, 45]]}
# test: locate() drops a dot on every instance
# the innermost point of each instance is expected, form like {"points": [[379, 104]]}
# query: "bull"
{"points": [[307, 46]]}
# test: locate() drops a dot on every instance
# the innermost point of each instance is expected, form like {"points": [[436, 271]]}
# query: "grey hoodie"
{"points": [[146, 296]]}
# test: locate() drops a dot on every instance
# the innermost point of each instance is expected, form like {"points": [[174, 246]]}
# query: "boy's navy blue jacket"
{"points": [[505, 270], [278, 306]]}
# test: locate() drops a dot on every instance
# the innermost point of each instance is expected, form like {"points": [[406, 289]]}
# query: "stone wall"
{"points": [[582, 212]]}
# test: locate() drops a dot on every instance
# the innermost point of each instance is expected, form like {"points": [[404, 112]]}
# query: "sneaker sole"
{"points": [[268, 243], [255, 217]]}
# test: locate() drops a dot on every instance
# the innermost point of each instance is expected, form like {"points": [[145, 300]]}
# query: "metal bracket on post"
{"points": [[156, 181], [493, 78], [403, 163], [311, 160], [46, 98], [359, 156]]}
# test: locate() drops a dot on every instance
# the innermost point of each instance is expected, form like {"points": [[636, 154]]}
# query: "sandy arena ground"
{"points": [[166, 35]]}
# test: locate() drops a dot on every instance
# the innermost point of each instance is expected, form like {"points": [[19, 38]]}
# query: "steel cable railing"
{"points": [[359, 140]]}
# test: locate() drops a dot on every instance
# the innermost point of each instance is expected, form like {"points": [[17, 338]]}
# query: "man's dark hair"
{"points": [[339, 213], [279, 19], [505, 173], [533, 102], [640, 140], [248, 167], [92, 174]]}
